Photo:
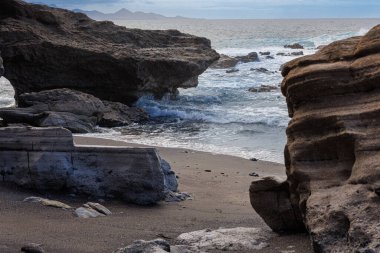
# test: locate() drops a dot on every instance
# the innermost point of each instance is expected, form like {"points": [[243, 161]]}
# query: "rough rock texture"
{"points": [[294, 46], [45, 159], [1, 67], [270, 198], [225, 62], [207, 240], [77, 111], [227, 239], [155, 246], [48, 48], [332, 156]]}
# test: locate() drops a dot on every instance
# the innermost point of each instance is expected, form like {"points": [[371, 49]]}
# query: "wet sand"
{"points": [[220, 199]]}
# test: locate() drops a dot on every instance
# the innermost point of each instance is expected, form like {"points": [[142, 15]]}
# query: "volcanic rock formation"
{"points": [[332, 156], [48, 48]]}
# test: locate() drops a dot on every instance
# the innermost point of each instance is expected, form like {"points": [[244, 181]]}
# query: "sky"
{"points": [[236, 9]]}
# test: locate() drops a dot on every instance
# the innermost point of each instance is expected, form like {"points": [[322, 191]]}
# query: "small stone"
{"points": [[85, 213], [232, 71], [253, 159], [254, 174], [47, 202], [33, 248], [177, 196], [100, 208], [207, 170]]}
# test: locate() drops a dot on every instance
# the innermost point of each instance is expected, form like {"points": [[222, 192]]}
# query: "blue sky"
{"points": [[234, 8]]}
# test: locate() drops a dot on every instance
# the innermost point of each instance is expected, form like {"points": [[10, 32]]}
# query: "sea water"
{"points": [[221, 115]]}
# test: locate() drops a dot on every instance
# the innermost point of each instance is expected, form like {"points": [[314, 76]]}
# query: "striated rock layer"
{"points": [[46, 159], [48, 48], [333, 152]]}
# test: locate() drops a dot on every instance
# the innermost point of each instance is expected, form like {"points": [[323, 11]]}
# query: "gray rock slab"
{"points": [[46, 159]]}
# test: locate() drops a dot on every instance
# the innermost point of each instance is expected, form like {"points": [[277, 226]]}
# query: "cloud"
{"points": [[232, 8]]}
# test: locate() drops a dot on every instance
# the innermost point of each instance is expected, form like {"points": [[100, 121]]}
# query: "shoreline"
{"points": [[219, 185], [133, 144]]}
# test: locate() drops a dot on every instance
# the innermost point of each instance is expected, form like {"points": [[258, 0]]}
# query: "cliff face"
{"points": [[48, 48], [333, 152]]}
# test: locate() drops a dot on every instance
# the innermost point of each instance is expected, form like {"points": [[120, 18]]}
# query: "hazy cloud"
{"points": [[234, 9]]}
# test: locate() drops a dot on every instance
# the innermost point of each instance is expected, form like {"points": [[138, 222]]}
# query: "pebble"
{"points": [[85, 213], [254, 174], [33, 248]]}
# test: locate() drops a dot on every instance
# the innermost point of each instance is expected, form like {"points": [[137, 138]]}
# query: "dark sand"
{"points": [[220, 200]]}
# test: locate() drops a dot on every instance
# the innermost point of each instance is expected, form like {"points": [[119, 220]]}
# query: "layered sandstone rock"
{"points": [[333, 152], [46, 159], [47, 48]]}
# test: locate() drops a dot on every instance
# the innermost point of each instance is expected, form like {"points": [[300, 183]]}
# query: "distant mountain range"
{"points": [[125, 14]]}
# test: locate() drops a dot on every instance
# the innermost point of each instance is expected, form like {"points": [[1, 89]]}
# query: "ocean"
{"points": [[221, 115]]}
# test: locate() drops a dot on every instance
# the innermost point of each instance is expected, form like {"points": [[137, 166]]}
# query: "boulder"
{"points": [[48, 48], [77, 111], [46, 160], [294, 46], [270, 198], [332, 156], [225, 62], [297, 53], [116, 114], [251, 57], [263, 88]]}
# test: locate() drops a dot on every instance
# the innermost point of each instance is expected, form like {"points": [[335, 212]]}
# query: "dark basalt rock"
{"points": [[48, 48], [77, 111], [294, 46], [225, 62], [332, 156], [251, 57]]}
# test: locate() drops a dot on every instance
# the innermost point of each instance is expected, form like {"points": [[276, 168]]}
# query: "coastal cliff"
{"points": [[332, 155], [70, 71], [47, 48]]}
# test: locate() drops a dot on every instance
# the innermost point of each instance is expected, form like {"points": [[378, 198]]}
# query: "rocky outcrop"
{"points": [[45, 159], [48, 48], [77, 111], [294, 46], [332, 156], [263, 88], [226, 61]]}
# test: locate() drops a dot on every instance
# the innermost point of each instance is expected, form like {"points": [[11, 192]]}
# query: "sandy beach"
{"points": [[218, 184]]}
